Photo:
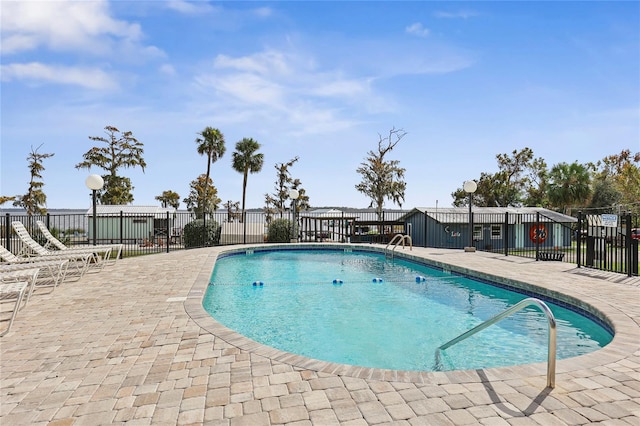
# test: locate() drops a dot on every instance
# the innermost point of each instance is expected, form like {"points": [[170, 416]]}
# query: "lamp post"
{"points": [[294, 194], [470, 187], [94, 183]]}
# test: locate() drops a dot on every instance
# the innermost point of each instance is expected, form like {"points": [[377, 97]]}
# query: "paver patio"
{"points": [[132, 345]]}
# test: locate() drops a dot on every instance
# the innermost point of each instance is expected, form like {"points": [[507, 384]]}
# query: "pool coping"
{"points": [[624, 343]]}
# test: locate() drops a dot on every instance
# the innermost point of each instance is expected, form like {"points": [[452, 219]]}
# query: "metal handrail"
{"points": [[551, 351], [401, 239]]}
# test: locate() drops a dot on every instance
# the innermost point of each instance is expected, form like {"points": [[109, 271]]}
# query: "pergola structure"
{"points": [[321, 228]]}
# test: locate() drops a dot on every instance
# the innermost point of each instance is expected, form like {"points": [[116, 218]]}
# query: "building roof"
{"points": [[114, 210], [352, 214], [489, 214], [324, 213]]}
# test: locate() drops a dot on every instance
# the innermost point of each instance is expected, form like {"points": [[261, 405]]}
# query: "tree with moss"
{"points": [[121, 150], [233, 210], [617, 181], [169, 198], [521, 179], [276, 203], [6, 199], [35, 200], [302, 203], [203, 197], [383, 179]]}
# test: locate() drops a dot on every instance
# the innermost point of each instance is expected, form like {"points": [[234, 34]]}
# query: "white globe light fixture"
{"points": [[294, 194], [94, 183], [470, 187]]}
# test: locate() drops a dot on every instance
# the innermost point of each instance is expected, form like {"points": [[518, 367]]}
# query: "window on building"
{"points": [[496, 231], [477, 232]]}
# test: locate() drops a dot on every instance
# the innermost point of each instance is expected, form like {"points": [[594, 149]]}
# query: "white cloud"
{"points": [[339, 87], [167, 69], [72, 26], [417, 29], [250, 88], [287, 88], [281, 80], [190, 8], [263, 12], [91, 78], [461, 14], [269, 62]]}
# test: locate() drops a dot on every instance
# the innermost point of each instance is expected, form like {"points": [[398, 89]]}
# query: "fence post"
{"points": [[471, 226], [579, 240], [48, 221], [204, 226], [121, 227], [627, 244], [7, 231], [506, 234], [537, 239], [167, 233]]}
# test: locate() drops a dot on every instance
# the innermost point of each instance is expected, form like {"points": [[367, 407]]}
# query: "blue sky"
{"points": [[317, 80]]}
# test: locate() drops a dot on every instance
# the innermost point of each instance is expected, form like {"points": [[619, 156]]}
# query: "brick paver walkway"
{"points": [[130, 345]]}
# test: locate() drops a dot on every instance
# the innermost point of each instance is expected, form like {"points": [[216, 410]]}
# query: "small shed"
{"points": [[115, 223], [519, 227]]}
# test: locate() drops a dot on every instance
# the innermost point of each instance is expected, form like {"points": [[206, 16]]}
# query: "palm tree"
{"points": [[247, 160], [569, 184], [210, 143]]}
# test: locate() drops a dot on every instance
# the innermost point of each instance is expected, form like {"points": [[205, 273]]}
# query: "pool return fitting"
{"points": [[551, 350]]}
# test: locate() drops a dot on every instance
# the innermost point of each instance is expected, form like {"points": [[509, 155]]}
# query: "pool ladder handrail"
{"points": [[551, 351], [396, 240]]}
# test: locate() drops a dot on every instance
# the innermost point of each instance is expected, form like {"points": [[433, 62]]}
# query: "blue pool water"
{"points": [[377, 314]]}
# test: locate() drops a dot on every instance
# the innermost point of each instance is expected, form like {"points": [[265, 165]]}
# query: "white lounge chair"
{"points": [[30, 276], [9, 292], [32, 247], [59, 245], [54, 266]]}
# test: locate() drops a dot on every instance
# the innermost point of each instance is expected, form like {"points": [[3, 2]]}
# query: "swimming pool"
{"points": [[378, 315]]}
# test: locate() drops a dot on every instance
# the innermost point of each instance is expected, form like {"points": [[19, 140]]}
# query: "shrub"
{"points": [[195, 234], [60, 236], [279, 231]]}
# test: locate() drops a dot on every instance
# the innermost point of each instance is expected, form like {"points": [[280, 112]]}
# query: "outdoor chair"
{"points": [[12, 291], [30, 276], [55, 266], [80, 260], [58, 245], [88, 256]]}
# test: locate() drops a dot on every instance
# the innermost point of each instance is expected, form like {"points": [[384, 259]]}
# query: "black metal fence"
{"points": [[609, 242], [586, 241], [602, 241], [165, 232]]}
